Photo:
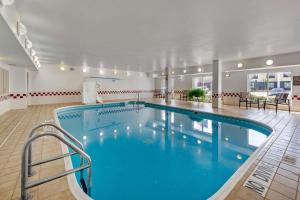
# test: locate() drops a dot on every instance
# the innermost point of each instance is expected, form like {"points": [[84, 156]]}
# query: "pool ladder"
{"points": [[27, 164]]}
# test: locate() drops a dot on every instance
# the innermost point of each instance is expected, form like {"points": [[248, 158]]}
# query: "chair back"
{"points": [[283, 97], [185, 93], [244, 95]]}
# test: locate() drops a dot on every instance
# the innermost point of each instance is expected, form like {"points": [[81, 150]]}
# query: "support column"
{"points": [[216, 141], [168, 85], [216, 84]]}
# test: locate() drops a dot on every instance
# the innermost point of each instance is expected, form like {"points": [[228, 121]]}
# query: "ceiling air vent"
{"points": [[6, 2]]}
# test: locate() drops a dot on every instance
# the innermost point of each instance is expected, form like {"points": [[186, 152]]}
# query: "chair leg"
{"points": [[289, 105], [258, 104], [265, 105], [246, 104], [276, 107]]}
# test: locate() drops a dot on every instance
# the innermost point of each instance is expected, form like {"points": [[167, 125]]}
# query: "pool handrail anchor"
{"points": [[26, 165], [65, 133]]}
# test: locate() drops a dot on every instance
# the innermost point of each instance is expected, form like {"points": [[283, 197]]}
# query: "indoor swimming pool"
{"points": [[147, 151]]}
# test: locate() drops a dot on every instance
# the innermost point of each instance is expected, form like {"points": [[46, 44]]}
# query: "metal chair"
{"points": [[184, 95], [280, 99], [245, 98]]}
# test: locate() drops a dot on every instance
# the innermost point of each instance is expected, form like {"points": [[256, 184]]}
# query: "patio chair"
{"points": [[280, 99], [245, 98], [184, 95]]}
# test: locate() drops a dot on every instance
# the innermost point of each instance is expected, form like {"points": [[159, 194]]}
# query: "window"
{"points": [[258, 84], [272, 76], [163, 116], [204, 83], [264, 84], [205, 126], [4, 81]]}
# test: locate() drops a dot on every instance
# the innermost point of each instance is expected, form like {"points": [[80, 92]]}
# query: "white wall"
{"points": [[4, 98], [50, 79], [18, 87], [184, 82]]}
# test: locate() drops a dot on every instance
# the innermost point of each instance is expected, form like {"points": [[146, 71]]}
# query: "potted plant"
{"points": [[198, 93]]}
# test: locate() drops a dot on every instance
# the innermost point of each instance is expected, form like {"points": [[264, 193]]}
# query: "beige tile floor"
{"points": [[15, 126]]}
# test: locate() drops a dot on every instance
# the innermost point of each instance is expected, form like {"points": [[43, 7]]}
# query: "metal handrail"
{"points": [[24, 170], [68, 135]]}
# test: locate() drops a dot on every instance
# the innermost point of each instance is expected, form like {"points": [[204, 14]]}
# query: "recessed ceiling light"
{"points": [[32, 52], [84, 69], [115, 71], [227, 75], [269, 62], [184, 71], [28, 44], [35, 58], [21, 29], [199, 69], [62, 68], [101, 71], [173, 72], [239, 65]]}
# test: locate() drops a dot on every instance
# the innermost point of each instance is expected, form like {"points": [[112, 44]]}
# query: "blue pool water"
{"points": [[146, 152]]}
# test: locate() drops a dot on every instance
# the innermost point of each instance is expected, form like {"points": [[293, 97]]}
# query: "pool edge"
{"points": [[221, 193], [71, 178]]}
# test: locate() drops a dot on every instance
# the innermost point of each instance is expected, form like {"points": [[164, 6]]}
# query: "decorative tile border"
{"points": [[230, 94], [216, 95], [4, 97], [65, 93], [124, 91], [18, 95], [180, 91], [296, 97], [105, 112]]}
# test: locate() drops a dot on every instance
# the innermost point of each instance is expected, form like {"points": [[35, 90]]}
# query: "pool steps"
{"points": [[27, 164]]}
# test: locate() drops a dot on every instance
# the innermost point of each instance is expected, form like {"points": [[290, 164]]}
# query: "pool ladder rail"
{"points": [[27, 164]]}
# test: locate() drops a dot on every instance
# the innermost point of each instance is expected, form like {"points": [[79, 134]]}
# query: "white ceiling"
{"points": [[11, 51], [143, 35]]}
